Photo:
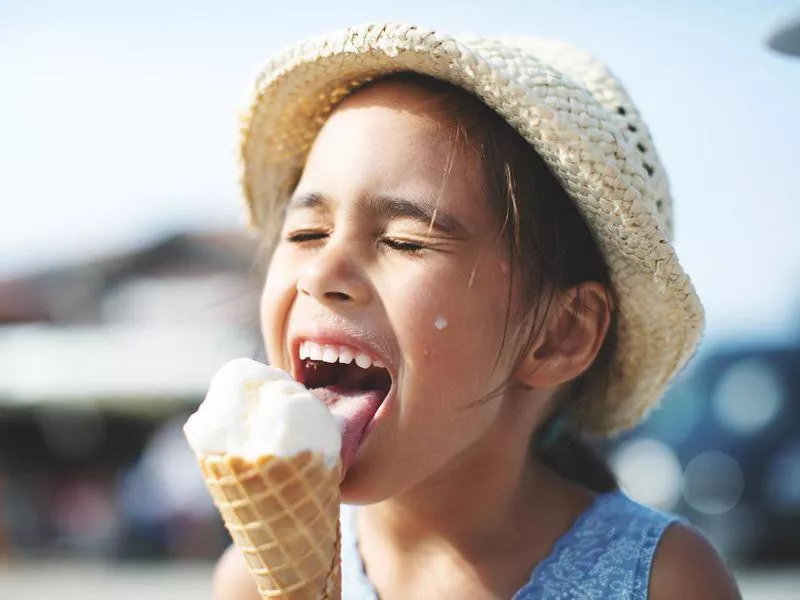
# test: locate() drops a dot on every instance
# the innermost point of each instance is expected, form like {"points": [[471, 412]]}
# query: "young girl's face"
{"points": [[388, 249]]}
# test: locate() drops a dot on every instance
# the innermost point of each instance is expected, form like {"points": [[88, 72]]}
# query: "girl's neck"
{"points": [[496, 502], [459, 508]]}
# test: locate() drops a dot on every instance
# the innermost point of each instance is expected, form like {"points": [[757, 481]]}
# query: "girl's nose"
{"points": [[333, 275]]}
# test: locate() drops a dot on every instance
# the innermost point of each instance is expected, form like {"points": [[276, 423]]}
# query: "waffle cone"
{"points": [[283, 515]]}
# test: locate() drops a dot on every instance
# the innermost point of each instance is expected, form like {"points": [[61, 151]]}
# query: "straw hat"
{"points": [[576, 115]]}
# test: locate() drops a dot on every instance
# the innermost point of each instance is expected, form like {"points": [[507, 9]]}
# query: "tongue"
{"points": [[354, 409]]}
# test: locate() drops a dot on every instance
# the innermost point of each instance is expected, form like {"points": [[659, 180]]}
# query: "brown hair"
{"points": [[550, 244]]}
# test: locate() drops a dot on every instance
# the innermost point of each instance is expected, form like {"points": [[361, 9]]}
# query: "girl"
{"points": [[471, 265]]}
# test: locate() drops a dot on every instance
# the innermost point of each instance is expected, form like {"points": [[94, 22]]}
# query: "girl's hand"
{"points": [[232, 579]]}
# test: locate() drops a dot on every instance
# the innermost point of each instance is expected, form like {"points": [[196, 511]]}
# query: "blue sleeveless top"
{"points": [[606, 554]]}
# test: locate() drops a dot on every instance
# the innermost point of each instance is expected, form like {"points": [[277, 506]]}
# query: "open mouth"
{"points": [[352, 384]]}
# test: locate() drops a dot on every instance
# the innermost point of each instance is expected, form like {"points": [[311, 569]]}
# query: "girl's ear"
{"points": [[570, 338]]}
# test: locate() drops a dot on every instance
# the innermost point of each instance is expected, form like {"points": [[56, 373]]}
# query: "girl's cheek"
{"points": [[276, 301], [434, 349], [437, 348]]}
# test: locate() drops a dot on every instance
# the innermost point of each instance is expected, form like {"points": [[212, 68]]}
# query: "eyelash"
{"points": [[403, 246], [395, 244], [305, 236]]}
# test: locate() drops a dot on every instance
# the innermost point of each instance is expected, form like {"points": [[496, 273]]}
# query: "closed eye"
{"points": [[403, 245], [305, 236]]}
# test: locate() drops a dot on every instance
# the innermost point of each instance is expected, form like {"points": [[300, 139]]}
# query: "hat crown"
{"points": [[595, 76], [576, 115]]}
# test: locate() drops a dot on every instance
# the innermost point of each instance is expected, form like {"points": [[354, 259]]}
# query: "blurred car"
{"points": [[723, 450]]}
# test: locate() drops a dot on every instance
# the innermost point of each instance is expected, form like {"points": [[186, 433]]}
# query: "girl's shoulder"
{"points": [[686, 565], [620, 549], [607, 553]]}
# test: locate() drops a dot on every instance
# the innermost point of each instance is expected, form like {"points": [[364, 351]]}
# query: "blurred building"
{"points": [[149, 325], [99, 364]]}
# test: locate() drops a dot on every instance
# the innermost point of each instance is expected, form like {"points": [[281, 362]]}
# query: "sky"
{"points": [[118, 123]]}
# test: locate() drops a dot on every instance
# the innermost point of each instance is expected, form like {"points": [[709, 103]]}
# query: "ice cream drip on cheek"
{"points": [[440, 322]]}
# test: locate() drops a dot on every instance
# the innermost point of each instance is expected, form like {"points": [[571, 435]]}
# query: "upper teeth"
{"points": [[332, 354]]}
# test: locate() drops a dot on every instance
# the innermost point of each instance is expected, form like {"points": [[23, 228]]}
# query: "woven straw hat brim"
{"points": [[574, 113]]}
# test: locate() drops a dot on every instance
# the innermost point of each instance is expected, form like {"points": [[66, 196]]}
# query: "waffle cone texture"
{"points": [[573, 112], [283, 515]]}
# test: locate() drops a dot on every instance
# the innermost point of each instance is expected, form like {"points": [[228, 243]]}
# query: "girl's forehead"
{"points": [[390, 140], [399, 95], [399, 112]]}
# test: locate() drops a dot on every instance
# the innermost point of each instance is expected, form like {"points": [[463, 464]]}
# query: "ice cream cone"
{"points": [[283, 514], [270, 452]]}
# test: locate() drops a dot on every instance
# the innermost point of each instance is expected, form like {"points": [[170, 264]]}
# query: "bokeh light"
{"points": [[713, 483], [650, 472], [748, 397]]}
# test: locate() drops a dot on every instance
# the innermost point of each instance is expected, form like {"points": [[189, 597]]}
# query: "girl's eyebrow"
{"points": [[308, 200], [435, 220], [392, 207]]}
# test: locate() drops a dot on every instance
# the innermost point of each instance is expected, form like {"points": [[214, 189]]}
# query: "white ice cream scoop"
{"points": [[253, 410]]}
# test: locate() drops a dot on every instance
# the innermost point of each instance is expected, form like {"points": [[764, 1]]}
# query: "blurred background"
{"points": [[126, 276]]}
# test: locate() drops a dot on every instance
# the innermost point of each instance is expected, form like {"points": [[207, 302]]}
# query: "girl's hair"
{"points": [[551, 246]]}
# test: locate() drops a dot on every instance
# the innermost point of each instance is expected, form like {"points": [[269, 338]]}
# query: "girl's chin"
{"points": [[363, 485], [368, 482], [356, 491]]}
